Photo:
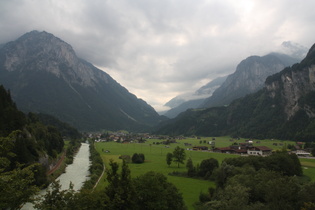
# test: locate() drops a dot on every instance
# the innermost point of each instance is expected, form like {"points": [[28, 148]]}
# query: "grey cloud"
{"points": [[162, 48]]}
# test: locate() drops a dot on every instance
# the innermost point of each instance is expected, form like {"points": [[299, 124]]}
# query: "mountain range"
{"points": [[283, 109], [44, 75], [249, 77]]}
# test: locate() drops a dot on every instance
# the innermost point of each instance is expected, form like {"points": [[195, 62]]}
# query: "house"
{"points": [[200, 148], [224, 150], [259, 150], [231, 150], [302, 153]]}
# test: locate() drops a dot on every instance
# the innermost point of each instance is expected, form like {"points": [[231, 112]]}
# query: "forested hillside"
{"points": [[26, 147]]}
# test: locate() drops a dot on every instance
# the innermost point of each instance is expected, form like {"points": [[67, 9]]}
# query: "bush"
{"points": [[138, 158]]}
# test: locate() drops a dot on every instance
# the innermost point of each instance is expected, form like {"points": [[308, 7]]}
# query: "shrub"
{"points": [[138, 158]]}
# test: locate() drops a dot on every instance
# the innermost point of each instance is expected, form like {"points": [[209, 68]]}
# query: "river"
{"points": [[76, 173]]}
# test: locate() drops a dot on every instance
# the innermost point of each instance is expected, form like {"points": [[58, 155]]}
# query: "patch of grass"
{"points": [[307, 162], [308, 166], [309, 172]]}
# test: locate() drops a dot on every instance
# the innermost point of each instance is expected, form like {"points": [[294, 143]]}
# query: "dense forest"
{"points": [[27, 146]]}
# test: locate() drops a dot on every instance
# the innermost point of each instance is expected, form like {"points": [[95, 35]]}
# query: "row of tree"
{"points": [[148, 191]]}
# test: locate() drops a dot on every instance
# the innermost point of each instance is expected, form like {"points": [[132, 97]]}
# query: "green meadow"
{"points": [[308, 167], [155, 160]]}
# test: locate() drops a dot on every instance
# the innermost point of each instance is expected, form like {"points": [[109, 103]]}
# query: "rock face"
{"points": [[291, 85], [44, 75], [45, 52], [249, 77]]}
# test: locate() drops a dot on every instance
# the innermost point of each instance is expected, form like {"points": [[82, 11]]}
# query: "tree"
{"points": [[17, 187], [306, 195], [232, 197], [179, 155], [191, 170], [120, 189], [55, 198], [154, 192], [137, 158], [169, 158], [223, 173], [207, 166], [281, 193]]}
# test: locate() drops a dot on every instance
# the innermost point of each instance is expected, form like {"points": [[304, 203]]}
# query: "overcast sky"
{"points": [[159, 49]]}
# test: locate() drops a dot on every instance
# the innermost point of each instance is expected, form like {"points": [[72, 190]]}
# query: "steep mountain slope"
{"points": [[249, 77], [10, 117], [27, 138], [284, 109], [183, 102], [45, 75]]}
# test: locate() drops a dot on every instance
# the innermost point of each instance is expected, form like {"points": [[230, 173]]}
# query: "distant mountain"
{"points": [[191, 104], [189, 101], [249, 77], [283, 109], [209, 88], [44, 75]]}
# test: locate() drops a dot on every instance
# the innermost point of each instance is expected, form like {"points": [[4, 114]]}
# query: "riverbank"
{"points": [[76, 173], [58, 164]]}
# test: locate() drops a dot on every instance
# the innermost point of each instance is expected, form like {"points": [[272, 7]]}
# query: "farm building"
{"points": [[244, 149], [259, 150]]}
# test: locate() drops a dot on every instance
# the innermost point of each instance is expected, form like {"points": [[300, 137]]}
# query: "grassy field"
{"points": [[155, 160], [308, 167]]}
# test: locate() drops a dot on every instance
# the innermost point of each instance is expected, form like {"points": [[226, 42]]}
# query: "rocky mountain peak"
{"points": [[43, 51], [45, 75]]}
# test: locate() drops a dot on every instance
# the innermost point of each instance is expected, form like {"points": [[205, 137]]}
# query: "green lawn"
{"points": [[308, 167], [155, 160]]}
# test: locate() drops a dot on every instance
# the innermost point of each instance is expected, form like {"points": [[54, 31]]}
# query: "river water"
{"points": [[76, 173]]}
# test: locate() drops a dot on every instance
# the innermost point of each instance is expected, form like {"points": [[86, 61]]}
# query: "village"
{"points": [[249, 147]]}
